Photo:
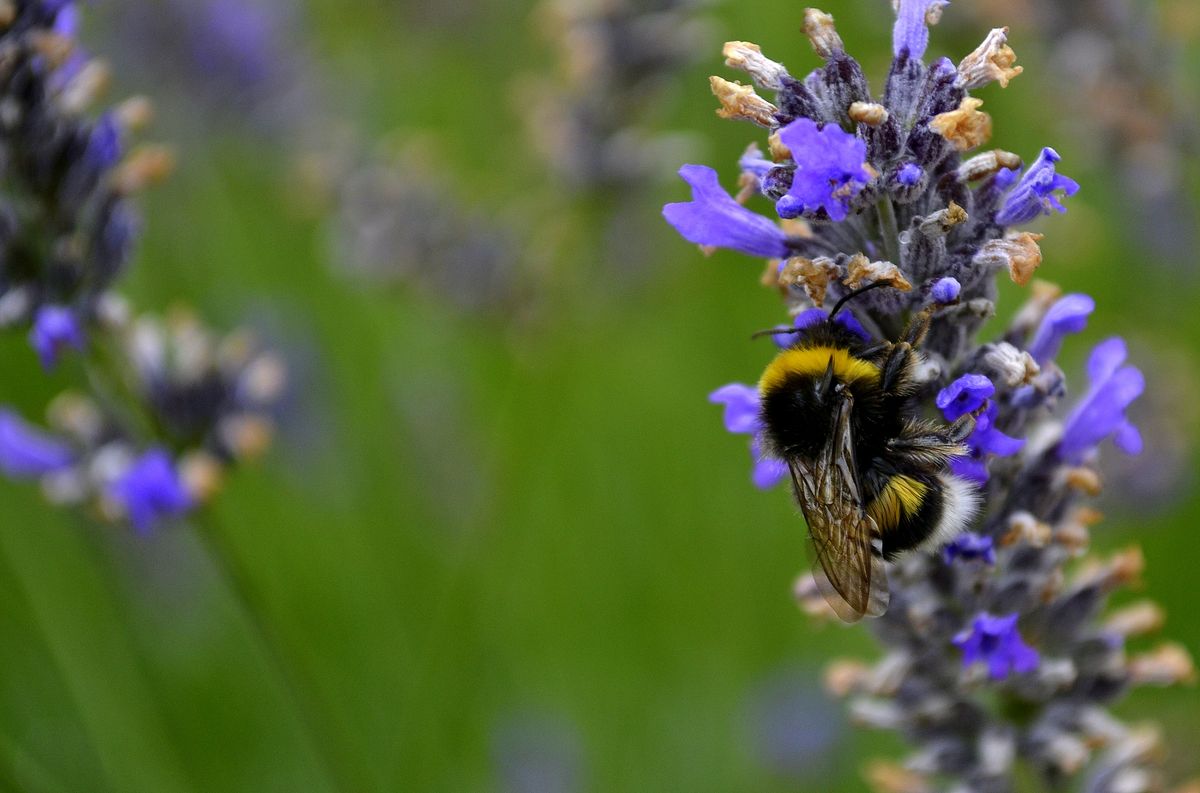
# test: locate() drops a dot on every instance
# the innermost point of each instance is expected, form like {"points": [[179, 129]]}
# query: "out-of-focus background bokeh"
{"points": [[502, 540]]}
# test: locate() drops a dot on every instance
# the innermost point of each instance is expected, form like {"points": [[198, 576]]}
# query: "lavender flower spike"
{"points": [[713, 218], [150, 491], [1069, 314], [1035, 193], [54, 329], [26, 453], [911, 31], [1101, 412], [830, 169], [995, 641], [902, 204]]}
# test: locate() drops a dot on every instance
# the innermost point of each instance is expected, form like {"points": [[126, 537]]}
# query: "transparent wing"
{"points": [[842, 537]]}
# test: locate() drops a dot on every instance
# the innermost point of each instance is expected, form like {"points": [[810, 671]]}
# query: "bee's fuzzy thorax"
{"points": [[802, 361]]}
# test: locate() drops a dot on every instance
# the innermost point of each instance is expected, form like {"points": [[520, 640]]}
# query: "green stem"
{"points": [[889, 230], [225, 560]]}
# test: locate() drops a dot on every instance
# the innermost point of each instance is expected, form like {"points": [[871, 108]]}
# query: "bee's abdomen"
{"points": [[908, 511]]}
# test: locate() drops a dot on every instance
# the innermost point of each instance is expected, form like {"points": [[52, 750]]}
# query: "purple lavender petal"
{"points": [[741, 407], [27, 453], [150, 490], [945, 290], [54, 329], [969, 546], [909, 174], [1101, 412], [768, 472], [830, 169], [1068, 315], [712, 217], [970, 468], [996, 641], [1034, 194], [964, 395], [911, 31]]}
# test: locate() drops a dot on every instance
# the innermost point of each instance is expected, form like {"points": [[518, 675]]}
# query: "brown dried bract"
{"points": [[887, 777], [818, 26], [967, 128], [860, 269], [815, 275], [1019, 253], [741, 102], [747, 57], [939, 223], [146, 166], [1084, 479], [992, 61], [868, 113], [1166, 665], [845, 676], [1137, 619], [779, 151], [986, 164], [1025, 528]]}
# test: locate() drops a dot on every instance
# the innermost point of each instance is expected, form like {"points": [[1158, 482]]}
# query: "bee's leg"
{"points": [[918, 325], [930, 446], [897, 367], [963, 427]]}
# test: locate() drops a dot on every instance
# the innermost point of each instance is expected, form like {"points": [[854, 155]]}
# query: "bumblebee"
{"points": [[870, 476]]}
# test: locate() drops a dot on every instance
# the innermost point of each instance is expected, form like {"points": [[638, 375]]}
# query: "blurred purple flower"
{"points": [[538, 753], [151, 490], [742, 417], [26, 452], [969, 546], [995, 641], [54, 329], [909, 174], [1101, 412]]}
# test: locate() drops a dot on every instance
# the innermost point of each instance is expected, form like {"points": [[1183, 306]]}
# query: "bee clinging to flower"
{"points": [[870, 475]]}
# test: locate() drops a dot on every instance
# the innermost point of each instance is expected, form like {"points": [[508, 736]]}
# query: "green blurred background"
{"points": [[510, 550]]}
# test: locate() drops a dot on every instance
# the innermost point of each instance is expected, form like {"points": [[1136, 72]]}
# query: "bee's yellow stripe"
{"points": [[814, 361], [901, 496]]}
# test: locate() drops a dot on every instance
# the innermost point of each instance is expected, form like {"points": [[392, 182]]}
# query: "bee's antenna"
{"points": [[774, 332], [838, 305]]}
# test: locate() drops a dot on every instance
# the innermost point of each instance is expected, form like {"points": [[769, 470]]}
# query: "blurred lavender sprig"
{"points": [[997, 649], [396, 225], [615, 58], [1122, 95], [164, 408]]}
